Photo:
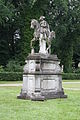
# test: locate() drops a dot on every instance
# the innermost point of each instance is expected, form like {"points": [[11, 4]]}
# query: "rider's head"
{"points": [[42, 18]]}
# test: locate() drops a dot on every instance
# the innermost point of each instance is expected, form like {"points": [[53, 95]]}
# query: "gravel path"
{"points": [[16, 85], [72, 88], [5, 85], [71, 82]]}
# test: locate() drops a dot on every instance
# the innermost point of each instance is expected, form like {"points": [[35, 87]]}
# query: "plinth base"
{"points": [[42, 78], [42, 96]]}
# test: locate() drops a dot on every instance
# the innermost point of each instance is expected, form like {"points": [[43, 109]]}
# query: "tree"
{"points": [[15, 17], [6, 13], [27, 11], [64, 18], [76, 53]]}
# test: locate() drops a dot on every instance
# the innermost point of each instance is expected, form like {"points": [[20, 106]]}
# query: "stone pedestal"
{"points": [[42, 78], [42, 44]]}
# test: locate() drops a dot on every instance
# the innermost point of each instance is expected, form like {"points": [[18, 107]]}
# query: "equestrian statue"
{"points": [[43, 34]]}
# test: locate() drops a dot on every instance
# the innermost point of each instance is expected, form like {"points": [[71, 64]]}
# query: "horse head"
{"points": [[34, 24], [52, 34]]}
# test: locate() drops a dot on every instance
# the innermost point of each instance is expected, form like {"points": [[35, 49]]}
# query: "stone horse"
{"points": [[35, 25], [37, 35]]}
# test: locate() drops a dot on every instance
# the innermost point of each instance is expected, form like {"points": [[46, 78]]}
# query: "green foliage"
{"points": [[14, 66], [77, 70], [6, 31], [71, 76], [64, 18], [28, 12], [76, 55], [10, 76], [4, 52], [17, 76], [26, 36], [6, 11], [1, 69]]}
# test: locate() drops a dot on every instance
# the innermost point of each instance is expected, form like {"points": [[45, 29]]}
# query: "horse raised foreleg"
{"points": [[49, 47], [32, 49], [31, 45]]}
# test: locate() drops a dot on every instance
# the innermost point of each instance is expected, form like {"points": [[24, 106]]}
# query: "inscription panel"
{"points": [[49, 66], [49, 84]]}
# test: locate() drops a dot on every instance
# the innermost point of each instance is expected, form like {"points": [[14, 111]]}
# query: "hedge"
{"points": [[71, 76], [11, 76], [17, 76]]}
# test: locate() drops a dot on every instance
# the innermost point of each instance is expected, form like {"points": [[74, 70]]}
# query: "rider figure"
{"points": [[44, 27]]}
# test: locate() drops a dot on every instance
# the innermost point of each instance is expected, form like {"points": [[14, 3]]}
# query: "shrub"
{"points": [[1, 68], [13, 66], [10, 76], [71, 76], [17, 76], [77, 70]]}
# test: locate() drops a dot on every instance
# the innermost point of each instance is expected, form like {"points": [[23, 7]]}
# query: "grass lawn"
{"points": [[71, 85], [71, 80], [12, 108]]}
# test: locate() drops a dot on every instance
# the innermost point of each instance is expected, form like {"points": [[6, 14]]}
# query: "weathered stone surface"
{"points": [[43, 34], [42, 78]]}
